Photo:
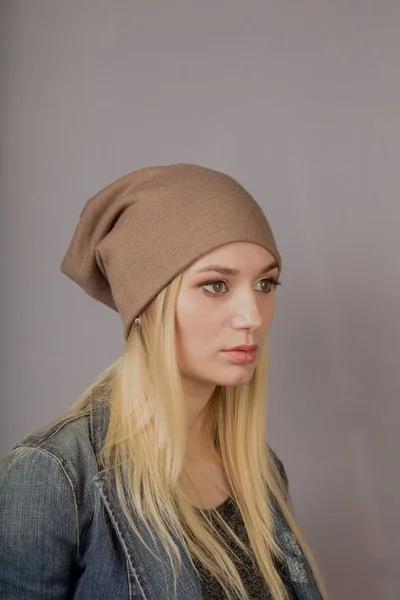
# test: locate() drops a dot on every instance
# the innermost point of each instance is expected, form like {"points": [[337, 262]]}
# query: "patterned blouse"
{"points": [[251, 576]]}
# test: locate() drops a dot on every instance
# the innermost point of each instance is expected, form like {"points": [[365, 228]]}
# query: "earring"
{"points": [[138, 322]]}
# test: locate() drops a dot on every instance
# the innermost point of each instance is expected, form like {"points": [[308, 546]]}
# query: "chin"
{"points": [[238, 378]]}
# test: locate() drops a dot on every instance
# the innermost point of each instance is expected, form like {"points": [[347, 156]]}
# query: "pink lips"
{"points": [[242, 357], [244, 347]]}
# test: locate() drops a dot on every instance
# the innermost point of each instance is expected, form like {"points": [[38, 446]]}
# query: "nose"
{"points": [[248, 322], [249, 318], [253, 311]]}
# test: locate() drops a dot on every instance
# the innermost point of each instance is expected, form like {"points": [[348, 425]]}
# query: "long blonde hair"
{"points": [[146, 443]]}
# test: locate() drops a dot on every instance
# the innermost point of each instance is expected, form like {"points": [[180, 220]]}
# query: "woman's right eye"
{"points": [[213, 283]]}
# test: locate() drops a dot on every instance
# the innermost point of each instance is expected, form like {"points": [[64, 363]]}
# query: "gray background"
{"points": [[299, 100]]}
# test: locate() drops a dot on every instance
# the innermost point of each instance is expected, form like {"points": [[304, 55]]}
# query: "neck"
{"points": [[198, 398]]}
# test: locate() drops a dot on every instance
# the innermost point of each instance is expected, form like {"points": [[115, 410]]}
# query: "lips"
{"points": [[241, 356], [243, 348]]}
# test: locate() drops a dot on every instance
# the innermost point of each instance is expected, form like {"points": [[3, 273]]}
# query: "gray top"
{"points": [[250, 574]]}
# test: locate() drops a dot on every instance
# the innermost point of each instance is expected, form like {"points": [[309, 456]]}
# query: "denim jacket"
{"points": [[63, 534]]}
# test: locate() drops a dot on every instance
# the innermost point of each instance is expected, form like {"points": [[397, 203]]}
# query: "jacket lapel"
{"points": [[299, 570], [153, 576]]}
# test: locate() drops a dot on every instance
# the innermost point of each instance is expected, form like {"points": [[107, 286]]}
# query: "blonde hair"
{"points": [[146, 442]]}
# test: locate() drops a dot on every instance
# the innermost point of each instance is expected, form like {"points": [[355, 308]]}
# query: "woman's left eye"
{"points": [[270, 282]]}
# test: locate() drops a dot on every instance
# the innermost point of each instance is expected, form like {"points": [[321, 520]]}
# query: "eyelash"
{"points": [[272, 280]]}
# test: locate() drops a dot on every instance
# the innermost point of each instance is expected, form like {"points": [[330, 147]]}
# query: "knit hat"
{"points": [[141, 231]]}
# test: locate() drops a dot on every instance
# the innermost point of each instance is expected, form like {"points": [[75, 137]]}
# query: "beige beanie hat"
{"points": [[141, 231]]}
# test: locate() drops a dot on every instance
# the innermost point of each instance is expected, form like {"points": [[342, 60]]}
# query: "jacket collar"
{"points": [[98, 421]]}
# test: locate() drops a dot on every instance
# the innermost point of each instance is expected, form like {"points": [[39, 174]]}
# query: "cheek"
{"points": [[268, 310], [196, 330], [190, 310]]}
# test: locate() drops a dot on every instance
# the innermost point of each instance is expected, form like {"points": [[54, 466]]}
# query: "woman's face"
{"points": [[216, 311]]}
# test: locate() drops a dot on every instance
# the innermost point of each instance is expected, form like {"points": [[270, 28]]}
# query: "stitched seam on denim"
{"points": [[96, 421], [59, 428], [131, 557], [129, 581], [35, 443], [92, 425], [65, 470], [95, 426], [140, 580]]}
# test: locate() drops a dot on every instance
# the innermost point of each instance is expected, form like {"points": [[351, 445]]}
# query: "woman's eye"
{"points": [[266, 285], [213, 284], [272, 282]]}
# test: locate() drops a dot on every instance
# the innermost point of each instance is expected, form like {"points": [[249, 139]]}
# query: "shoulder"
{"points": [[64, 445], [48, 475], [46, 507], [272, 456], [279, 465]]}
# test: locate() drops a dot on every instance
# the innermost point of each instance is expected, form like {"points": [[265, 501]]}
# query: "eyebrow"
{"points": [[229, 271]]}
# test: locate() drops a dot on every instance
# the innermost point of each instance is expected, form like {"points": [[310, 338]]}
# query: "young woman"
{"points": [[158, 483]]}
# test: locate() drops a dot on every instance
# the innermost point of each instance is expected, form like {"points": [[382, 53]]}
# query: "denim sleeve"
{"points": [[39, 531]]}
